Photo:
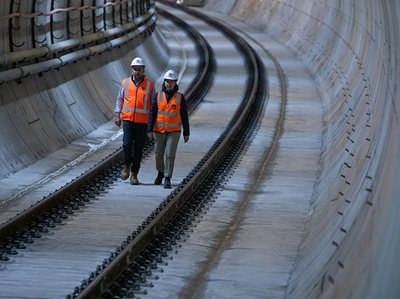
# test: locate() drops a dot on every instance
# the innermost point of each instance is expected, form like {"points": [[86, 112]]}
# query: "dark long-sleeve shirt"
{"points": [[183, 111]]}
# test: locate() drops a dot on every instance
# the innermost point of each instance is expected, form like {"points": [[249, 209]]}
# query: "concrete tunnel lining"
{"points": [[351, 238]]}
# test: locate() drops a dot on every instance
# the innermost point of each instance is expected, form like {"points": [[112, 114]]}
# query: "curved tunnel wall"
{"points": [[58, 76], [351, 240]]}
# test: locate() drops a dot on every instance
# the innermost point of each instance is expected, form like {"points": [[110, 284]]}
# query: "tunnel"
{"points": [[57, 84]]}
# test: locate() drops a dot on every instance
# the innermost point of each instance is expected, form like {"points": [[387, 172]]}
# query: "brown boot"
{"points": [[134, 179], [125, 172]]}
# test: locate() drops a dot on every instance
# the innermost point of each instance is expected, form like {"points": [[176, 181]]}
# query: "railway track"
{"points": [[136, 257]]}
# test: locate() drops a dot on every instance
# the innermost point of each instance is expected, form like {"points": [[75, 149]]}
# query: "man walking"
{"points": [[132, 110]]}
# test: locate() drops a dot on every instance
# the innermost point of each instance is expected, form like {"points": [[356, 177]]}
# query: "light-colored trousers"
{"points": [[166, 146]]}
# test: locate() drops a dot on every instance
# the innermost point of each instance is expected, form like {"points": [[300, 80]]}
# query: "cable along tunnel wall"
{"points": [[349, 48], [61, 67]]}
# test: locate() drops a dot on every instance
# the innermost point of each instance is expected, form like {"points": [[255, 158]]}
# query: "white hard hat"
{"points": [[138, 61], [171, 75]]}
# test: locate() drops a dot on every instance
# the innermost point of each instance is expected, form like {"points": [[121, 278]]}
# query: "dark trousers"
{"points": [[134, 138]]}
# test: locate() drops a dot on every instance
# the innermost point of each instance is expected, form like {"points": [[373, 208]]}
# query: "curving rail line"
{"points": [[96, 179], [141, 252], [126, 268]]}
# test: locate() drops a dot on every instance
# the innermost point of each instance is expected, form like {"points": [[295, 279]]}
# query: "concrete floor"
{"points": [[332, 212]]}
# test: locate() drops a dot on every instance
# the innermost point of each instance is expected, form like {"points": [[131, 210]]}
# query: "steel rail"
{"points": [[96, 286], [195, 93]]}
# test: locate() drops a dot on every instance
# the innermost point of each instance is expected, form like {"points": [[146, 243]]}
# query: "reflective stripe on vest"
{"points": [[167, 120], [136, 113]]}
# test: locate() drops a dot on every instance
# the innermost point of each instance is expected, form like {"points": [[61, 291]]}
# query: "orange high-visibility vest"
{"points": [[169, 114], [137, 100]]}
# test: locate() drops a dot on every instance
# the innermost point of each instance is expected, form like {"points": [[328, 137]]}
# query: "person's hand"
{"points": [[117, 119], [186, 138], [150, 135]]}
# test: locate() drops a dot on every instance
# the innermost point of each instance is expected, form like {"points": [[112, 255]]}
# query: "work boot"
{"points": [[159, 178], [125, 172], [134, 179], [167, 183]]}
